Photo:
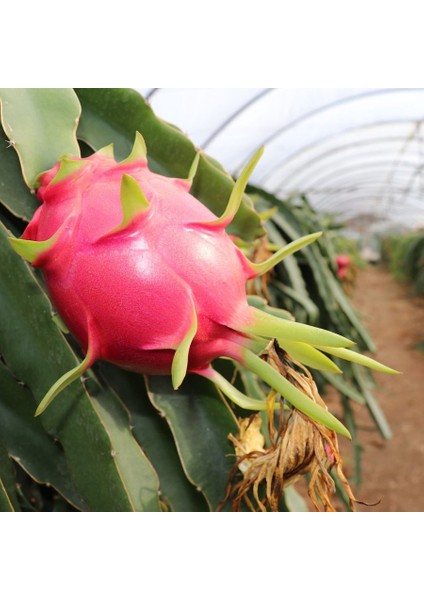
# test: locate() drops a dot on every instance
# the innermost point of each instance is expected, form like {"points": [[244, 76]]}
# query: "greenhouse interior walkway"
{"points": [[392, 470]]}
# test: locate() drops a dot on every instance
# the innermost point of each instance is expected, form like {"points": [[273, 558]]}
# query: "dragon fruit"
{"points": [[146, 277], [343, 263]]}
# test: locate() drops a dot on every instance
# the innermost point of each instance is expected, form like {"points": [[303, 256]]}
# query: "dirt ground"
{"points": [[393, 471]]}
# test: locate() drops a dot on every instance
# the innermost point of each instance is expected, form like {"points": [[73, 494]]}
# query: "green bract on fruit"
{"points": [[146, 277]]}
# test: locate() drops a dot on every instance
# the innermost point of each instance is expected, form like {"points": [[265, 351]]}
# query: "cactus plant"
{"points": [[147, 277]]}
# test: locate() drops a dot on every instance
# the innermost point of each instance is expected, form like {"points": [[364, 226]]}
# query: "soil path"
{"points": [[393, 471]]}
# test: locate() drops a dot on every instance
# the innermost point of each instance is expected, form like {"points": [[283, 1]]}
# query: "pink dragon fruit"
{"points": [[146, 277], [343, 263]]}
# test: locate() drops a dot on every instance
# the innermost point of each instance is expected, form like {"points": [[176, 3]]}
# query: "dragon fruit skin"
{"points": [[130, 295], [343, 263], [146, 277], [342, 260]]}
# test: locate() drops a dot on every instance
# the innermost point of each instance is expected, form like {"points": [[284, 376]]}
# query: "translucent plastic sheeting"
{"points": [[393, 140], [351, 151], [202, 112]]}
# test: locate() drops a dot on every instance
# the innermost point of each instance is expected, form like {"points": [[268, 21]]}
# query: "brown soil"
{"points": [[392, 471]]}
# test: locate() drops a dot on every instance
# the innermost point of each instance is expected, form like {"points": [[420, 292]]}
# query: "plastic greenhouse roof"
{"points": [[356, 152]]}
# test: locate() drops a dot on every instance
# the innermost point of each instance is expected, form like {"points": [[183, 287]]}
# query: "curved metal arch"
{"points": [[327, 139], [348, 162], [307, 165], [377, 175], [347, 186], [403, 186], [362, 202], [400, 192], [152, 93], [362, 176], [373, 191], [348, 183], [356, 168], [326, 107], [343, 201], [359, 201], [234, 116], [378, 195], [360, 205]]}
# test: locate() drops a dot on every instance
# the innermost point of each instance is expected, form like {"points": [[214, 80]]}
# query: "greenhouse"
{"points": [[211, 299]]}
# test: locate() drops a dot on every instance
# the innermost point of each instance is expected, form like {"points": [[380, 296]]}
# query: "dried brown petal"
{"points": [[299, 446]]}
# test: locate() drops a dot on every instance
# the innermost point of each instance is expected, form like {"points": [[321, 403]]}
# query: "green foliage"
{"points": [[350, 247], [117, 441], [115, 114], [307, 285], [404, 255], [36, 118], [110, 443], [318, 296]]}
